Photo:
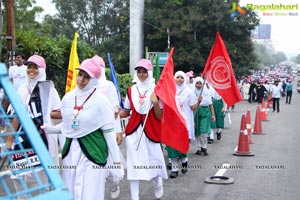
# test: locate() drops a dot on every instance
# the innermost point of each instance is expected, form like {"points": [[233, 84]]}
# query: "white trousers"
{"points": [[135, 184], [201, 141], [53, 147], [86, 181]]}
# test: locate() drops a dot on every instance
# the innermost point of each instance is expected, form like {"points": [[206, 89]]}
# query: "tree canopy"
{"points": [[103, 26], [192, 27]]}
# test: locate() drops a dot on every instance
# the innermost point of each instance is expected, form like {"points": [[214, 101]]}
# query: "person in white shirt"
{"points": [[42, 102], [17, 73], [276, 91], [108, 89], [188, 102]]}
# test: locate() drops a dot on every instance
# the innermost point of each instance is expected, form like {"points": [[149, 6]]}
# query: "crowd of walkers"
{"points": [[256, 91], [91, 131]]}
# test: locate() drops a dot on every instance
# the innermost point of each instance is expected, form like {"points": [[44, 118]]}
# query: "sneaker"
{"points": [[204, 150], [210, 141], [173, 174], [159, 192], [198, 152], [169, 166], [115, 194], [184, 167], [219, 136]]}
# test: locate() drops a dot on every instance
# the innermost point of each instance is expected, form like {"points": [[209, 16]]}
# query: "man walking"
{"points": [[276, 91], [289, 91]]}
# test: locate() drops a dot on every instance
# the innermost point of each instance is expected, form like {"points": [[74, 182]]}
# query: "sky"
{"points": [[285, 30], [49, 7]]}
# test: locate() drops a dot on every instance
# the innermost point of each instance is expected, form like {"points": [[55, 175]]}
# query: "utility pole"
{"points": [[10, 31], [136, 43], [1, 28]]}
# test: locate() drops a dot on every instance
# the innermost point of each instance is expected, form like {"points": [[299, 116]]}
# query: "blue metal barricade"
{"points": [[33, 175]]}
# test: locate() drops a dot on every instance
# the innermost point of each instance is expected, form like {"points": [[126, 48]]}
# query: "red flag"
{"points": [[174, 132], [219, 73]]}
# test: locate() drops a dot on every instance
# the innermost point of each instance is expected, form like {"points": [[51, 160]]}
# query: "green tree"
{"points": [[193, 26], [279, 57], [105, 26]]}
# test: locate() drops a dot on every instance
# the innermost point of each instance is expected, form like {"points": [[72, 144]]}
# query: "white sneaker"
{"points": [[115, 194], [159, 191]]}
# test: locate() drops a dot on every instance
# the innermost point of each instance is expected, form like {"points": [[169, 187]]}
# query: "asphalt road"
{"points": [[272, 173]]}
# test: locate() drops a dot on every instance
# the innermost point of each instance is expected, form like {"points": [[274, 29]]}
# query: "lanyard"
{"points": [[78, 108], [141, 97]]}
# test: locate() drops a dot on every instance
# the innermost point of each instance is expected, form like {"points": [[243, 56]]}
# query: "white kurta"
{"points": [[108, 89], [87, 180], [188, 99], [147, 161]]}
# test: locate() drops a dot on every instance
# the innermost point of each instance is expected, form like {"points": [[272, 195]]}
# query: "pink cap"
{"points": [[99, 60], [189, 74], [92, 67], [38, 60], [145, 64]]}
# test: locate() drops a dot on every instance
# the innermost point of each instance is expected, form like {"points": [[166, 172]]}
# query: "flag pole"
{"points": [[137, 147], [201, 91], [203, 83]]}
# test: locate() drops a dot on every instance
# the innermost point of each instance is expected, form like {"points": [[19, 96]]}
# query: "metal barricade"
{"points": [[26, 173]]}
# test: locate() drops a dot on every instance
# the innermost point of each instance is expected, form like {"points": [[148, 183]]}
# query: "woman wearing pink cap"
{"points": [[108, 89], [145, 160], [38, 96], [88, 124]]}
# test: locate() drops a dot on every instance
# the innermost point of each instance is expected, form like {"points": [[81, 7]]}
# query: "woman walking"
{"points": [[145, 160]]}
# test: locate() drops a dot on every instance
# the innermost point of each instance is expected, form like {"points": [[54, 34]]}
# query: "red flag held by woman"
{"points": [[174, 131], [219, 73]]}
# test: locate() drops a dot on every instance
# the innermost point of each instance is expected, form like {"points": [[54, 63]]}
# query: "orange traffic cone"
{"points": [[270, 104], [249, 127], [270, 101], [263, 112], [243, 148], [257, 124]]}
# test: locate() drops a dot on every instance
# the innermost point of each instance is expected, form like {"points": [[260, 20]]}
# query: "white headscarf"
{"points": [[198, 91], [31, 83], [26, 89], [97, 111], [183, 85], [108, 89], [181, 90], [144, 88], [102, 78]]}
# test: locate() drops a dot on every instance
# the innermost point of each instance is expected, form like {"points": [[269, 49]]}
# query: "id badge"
{"points": [[75, 123]]}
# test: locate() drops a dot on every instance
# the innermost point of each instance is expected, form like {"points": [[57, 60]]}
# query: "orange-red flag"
{"points": [[73, 64], [174, 132], [219, 73]]}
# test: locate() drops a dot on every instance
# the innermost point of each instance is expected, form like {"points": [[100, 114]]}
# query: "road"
{"points": [[272, 173]]}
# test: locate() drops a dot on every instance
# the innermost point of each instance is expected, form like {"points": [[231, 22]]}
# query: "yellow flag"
{"points": [[73, 64]]}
